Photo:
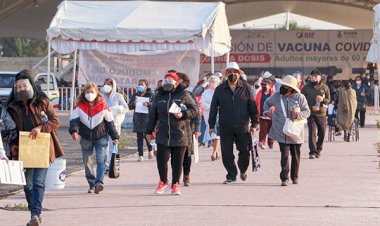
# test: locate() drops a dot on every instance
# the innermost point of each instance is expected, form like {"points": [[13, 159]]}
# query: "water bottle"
{"points": [[44, 117], [153, 144]]}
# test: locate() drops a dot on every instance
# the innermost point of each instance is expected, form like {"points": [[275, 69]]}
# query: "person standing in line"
{"points": [[172, 137], [265, 122], [32, 111], [206, 103], [362, 93], [92, 120], [193, 129], [346, 108], [234, 102], [296, 108], [140, 120], [118, 107], [318, 98]]}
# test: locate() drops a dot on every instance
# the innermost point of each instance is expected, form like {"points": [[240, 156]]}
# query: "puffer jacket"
{"points": [[171, 131], [93, 123]]}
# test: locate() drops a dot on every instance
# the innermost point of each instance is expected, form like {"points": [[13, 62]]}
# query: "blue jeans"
{"points": [[100, 154], [35, 189], [203, 128]]}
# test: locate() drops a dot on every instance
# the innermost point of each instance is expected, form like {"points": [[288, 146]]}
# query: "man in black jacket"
{"points": [[234, 102]]}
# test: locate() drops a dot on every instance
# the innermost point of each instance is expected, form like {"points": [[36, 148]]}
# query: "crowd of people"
{"points": [[222, 110]]}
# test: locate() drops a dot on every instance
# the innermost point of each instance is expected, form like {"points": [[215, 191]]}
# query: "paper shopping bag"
{"points": [[34, 153]]}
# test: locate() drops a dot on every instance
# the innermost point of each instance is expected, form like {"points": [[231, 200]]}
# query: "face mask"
{"points": [[168, 87], [140, 88], [264, 88], [283, 90], [90, 96], [314, 83], [107, 88], [358, 82], [24, 95], [232, 78], [257, 87]]}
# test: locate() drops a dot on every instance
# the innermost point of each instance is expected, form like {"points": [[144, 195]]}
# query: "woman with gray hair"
{"points": [[290, 102]]}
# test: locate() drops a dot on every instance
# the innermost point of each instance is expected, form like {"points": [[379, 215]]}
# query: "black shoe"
{"points": [[311, 156], [270, 146], [243, 176], [317, 156], [98, 188], [229, 181], [295, 181]]}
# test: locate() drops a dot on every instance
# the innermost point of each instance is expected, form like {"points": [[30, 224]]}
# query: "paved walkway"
{"points": [[341, 188]]}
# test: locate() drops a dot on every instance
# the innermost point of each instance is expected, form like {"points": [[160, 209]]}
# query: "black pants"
{"points": [[140, 143], [316, 124], [294, 150], [163, 154], [187, 162], [360, 114], [227, 138]]}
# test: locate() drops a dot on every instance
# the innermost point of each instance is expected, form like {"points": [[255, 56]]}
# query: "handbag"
{"points": [[115, 163], [291, 129], [254, 154]]}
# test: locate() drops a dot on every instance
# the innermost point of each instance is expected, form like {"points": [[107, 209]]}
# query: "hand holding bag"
{"points": [[291, 129], [115, 163]]}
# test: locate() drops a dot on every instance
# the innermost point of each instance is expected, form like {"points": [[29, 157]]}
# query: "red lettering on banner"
{"points": [[240, 58]]}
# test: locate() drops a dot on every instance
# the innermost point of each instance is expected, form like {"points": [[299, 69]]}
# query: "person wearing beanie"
{"points": [[171, 109]]}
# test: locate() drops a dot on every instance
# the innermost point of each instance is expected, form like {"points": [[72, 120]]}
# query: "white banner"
{"points": [[127, 70]]}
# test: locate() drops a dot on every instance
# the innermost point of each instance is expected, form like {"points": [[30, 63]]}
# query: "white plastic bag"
{"points": [[291, 129]]}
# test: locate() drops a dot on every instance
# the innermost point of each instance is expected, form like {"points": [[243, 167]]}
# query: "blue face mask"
{"points": [[140, 88]]}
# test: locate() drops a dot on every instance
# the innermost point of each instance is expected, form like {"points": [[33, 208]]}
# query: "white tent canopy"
{"points": [[133, 26]]}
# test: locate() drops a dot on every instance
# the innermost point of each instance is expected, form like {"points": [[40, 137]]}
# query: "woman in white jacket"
{"points": [[118, 107], [206, 98]]}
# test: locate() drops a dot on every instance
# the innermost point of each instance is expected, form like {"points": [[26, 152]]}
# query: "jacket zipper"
{"points": [[167, 107], [90, 119]]}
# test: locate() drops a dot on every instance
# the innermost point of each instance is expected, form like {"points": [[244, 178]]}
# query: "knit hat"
{"points": [[173, 76]]}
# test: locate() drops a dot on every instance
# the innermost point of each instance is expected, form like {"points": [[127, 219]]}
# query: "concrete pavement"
{"points": [[340, 188]]}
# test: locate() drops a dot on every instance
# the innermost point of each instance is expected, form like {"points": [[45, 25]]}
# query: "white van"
{"points": [[7, 79]]}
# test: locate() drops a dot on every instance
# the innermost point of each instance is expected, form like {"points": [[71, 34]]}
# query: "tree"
{"points": [[294, 26], [23, 47]]}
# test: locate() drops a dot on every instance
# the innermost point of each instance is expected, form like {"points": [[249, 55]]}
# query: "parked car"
{"points": [[7, 79]]}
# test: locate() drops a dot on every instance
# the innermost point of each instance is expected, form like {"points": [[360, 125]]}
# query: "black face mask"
{"points": [[168, 87], [264, 88], [314, 83], [232, 78], [256, 87], [283, 90]]}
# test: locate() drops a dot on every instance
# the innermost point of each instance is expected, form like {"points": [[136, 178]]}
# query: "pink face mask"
{"points": [[212, 86]]}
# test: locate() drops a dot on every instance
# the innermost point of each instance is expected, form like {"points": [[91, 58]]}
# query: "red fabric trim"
{"points": [[99, 107], [258, 100]]}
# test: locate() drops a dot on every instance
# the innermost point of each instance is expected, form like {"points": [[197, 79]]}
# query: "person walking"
{"points": [[92, 120], [171, 109], [346, 109], [265, 122], [234, 102], [32, 111], [140, 119], [206, 103], [318, 98], [362, 93], [118, 107], [193, 126], [290, 99]]}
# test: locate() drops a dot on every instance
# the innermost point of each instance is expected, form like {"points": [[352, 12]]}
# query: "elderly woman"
{"points": [[346, 108], [296, 108]]}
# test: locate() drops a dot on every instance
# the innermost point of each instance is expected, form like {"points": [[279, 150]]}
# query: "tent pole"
{"points": [[212, 56], [48, 70], [73, 82], [227, 58], [377, 90]]}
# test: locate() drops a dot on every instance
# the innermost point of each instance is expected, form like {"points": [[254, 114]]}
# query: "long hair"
{"points": [[82, 99], [29, 75], [185, 80]]}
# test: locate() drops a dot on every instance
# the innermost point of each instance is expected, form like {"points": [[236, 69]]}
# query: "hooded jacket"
{"points": [[171, 131], [117, 104], [93, 123]]}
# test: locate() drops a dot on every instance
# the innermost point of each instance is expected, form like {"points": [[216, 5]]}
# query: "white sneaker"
{"points": [[150, 154], [140, 159], [262, 146]]}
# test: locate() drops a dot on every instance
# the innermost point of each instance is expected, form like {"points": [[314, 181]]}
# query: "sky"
{"points": [[278, 20]]}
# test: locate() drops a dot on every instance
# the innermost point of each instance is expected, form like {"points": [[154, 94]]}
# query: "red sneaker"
{"points": [[175, 189], [161, 188]]}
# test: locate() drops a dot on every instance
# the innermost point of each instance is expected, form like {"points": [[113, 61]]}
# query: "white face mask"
{"points": [[358, 82], [107, 88], [90, 96]]}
